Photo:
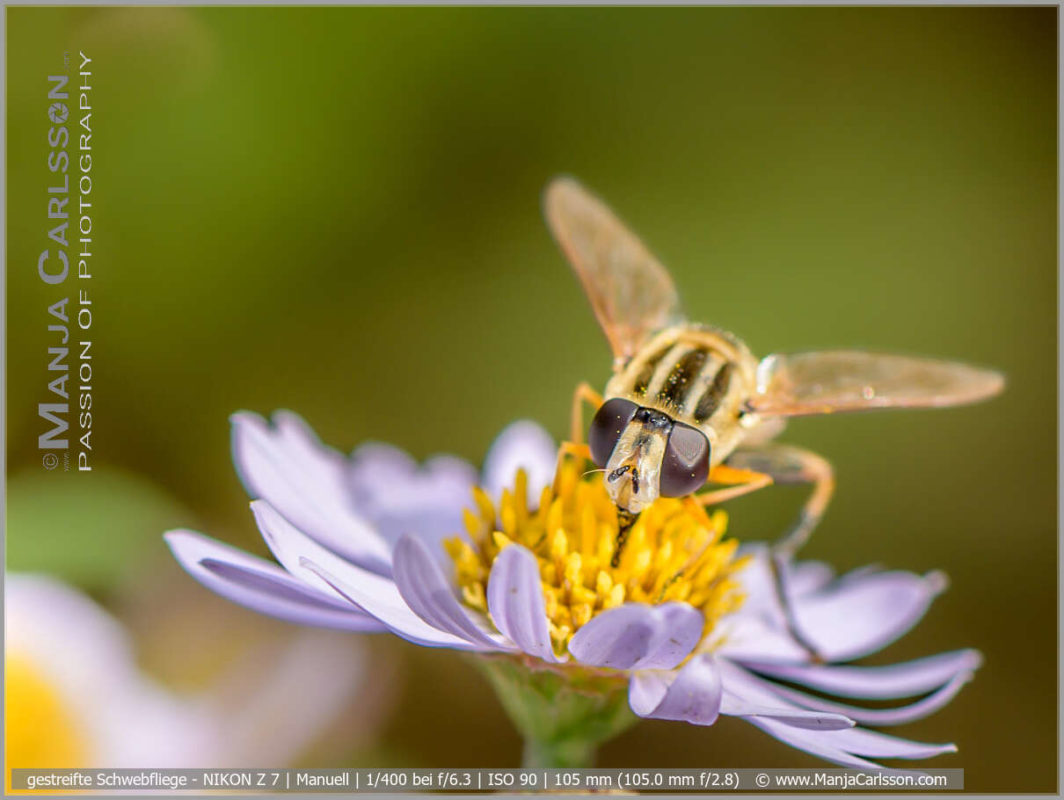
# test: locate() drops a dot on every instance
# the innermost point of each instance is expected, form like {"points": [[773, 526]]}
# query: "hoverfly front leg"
{"points": [[576, 446], [792, 465], [584, 393], [741, 481]]}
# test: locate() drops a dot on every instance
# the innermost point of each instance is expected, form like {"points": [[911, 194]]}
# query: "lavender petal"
{"points": [[746, 695], [733, 706], [847, 747], [840, 746], [907, 679], [400, 497], [863, 613], [523, 444], [873, 744], [747, 636], [425, 589], [262, 586], [639, 636], [288, 466], [881, 716], [692, 694], [813, 742], [802, 578], [515, 600], [320, 567]]}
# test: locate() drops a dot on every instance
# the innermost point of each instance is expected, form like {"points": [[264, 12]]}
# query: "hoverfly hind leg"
{"points": [[792, 465], [789, 466], [779, 563]]}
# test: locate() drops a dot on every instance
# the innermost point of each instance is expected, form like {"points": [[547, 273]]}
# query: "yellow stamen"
{"points": [[674, 552]]}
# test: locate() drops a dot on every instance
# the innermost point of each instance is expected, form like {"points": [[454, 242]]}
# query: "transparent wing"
{"points": [[630, 291], [853, 380]]}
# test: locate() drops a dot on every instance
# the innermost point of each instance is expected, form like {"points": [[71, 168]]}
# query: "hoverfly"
{"points": [[689, 404]]}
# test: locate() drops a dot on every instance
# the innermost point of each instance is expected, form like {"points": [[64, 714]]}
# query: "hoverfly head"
{"points": [[629, 443], [646, 453]]}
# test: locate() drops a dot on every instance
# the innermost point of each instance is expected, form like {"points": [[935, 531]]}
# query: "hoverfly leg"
{"points": [[792, 465], [574, 449], [584, 394], [741, 481], [694, 507], [779, 563], [788, 466], [576, 446]]}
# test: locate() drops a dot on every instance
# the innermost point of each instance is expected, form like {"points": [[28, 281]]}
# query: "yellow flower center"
{"points": [[40, 729], [673, 552]]}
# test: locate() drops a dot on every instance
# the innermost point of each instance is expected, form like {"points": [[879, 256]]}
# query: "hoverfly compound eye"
{"points": [[685, 467], [609, 423]]}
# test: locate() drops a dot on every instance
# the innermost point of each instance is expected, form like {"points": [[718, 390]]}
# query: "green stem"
{"points": [[562, 714], [565, 753]]}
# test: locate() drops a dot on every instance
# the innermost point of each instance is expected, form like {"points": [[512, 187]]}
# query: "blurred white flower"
{"points": [[76, 697]]}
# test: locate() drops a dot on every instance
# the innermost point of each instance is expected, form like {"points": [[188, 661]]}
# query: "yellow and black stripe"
{"points": [[691, 374]]}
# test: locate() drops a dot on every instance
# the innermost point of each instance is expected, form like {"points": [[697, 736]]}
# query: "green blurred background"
{"points": [[337, 211]]}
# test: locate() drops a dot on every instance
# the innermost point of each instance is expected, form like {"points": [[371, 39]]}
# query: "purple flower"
{"points": [[692, 626]]}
